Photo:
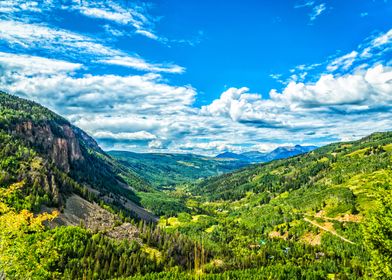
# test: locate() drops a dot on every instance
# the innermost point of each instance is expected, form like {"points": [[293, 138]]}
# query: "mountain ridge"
{"points": [[169, 169], [322, 214], [261, 157], [69, 156]]}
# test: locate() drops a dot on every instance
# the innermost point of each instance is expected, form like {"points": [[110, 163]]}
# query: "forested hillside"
{"points": [[70, 211], [326, 214], [57, 159], [162, 170]]}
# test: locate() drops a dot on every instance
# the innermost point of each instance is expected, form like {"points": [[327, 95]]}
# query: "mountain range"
{"points": [[69, 210], [165, 169], [259, 157], [169, 169]]}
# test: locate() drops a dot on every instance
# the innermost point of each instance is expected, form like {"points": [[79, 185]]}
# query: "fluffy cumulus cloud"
{"points": [[374, 50], [145, 113], [125, 136], [233, 103], [353, 92], [144, 110], [43, 78], [332, 105]]}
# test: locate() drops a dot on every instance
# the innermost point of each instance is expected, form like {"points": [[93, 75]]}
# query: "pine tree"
{"points": [[378, 238]]}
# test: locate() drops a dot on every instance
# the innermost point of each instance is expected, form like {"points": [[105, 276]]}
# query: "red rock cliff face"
{"points": [[63, 146]]}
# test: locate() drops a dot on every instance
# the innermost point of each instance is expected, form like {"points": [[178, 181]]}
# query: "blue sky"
{"points": [[204, 76]]}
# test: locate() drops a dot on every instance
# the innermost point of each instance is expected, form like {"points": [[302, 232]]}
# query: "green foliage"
{"points": [[30, 250], [378, 237], [326, 214], [289, 204], [161, 203], [35, 145], [15, 110], [162, 170]]}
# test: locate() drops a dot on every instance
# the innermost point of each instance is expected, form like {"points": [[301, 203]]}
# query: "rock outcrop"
{"points": [[57, 141]]}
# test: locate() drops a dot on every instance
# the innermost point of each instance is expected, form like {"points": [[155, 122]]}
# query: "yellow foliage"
{"points": [[14, 227], [388, 148], [153, 253], [12, 222], [5, 192]]}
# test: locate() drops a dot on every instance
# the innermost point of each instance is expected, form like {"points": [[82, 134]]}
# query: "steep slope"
{"points": [[303, 170], [278, 153], [56, 159], [310, 212], [172, 169], [70, 211]]}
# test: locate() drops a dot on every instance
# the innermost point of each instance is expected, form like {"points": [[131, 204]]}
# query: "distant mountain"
{"points": [[278, 153], [70, 211], [164, 169], [229, 155], [256, 156], [285, 152], [333, 204]]}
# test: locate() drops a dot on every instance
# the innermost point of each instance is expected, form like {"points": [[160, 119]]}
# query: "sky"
{"points": [[204, 76]]}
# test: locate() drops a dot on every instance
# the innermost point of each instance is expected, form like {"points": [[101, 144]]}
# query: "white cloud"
{"points": [[343, 62], [121, 18], [31, 65], [266, 147], [383, 39], [156, 145], [232, 103], [19, 6], [329, 102], [368, 88], [304, 4], [371, 52], [128, 136], [122, 110], [112, 11], [213, 146], [137, 63], [379, 44], [148, 34], [63, 42], [317, 11]]}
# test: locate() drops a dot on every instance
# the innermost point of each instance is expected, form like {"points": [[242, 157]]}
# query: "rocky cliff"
{"points": [[62, 147], [57, 159]]}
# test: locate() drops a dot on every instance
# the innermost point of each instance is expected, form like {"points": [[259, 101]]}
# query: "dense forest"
{"points": [[323, 215]]}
